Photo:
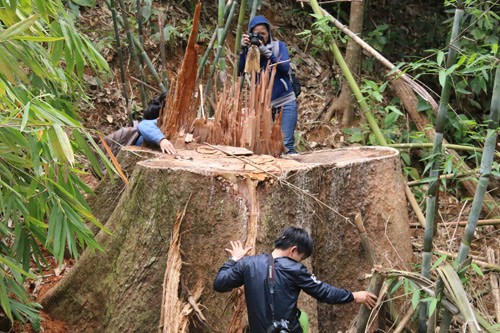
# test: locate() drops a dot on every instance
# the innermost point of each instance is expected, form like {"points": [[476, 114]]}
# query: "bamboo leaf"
{"points": [[440, 57], [26, 113], [415, 298], [83, 145], [39, 38], [65, 144], [432, 306], [442, 77], [55, 146], [456, 293], [476, 269], [17, 28], [439, 261]]}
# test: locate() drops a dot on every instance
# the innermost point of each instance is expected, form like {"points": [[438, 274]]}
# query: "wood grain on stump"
{"points": [[252, 199]]}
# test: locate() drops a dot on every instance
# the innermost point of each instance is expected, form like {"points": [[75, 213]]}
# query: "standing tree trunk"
{"points": [[346, 101], [251, 199]]}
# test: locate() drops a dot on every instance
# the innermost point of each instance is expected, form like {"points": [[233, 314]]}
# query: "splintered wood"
{"points": [[248, 124], [241, 118], [180, 108], [175, 312]]}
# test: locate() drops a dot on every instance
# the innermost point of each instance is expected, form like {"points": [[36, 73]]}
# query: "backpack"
{"points": [[297, 88]]}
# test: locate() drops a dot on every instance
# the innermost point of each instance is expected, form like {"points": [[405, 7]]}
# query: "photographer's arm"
{"points": [[245, 42], [283, 59]]}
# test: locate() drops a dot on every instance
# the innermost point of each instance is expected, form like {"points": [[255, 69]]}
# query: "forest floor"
{"points": [[315, 74]]}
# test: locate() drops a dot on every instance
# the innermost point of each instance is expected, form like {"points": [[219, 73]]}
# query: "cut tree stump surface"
{"points": [[249, 198]]}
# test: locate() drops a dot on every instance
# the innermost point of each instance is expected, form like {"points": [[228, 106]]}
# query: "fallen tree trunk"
{"points": [[251, 199]]}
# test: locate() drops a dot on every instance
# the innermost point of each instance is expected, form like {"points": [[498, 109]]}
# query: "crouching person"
{"points": [[273, 283]]}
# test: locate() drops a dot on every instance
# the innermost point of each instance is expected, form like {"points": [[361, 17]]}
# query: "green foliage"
{"points": [[377, 38], [384, 109], [471, 75], [42, 61], [321, 35], [174, 34]]}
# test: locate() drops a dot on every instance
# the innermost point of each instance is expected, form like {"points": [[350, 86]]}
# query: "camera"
{"points": [[255, 38], [279, 326]]}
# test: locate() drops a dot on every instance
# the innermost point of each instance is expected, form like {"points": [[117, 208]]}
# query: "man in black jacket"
{"points": [[290, 277]]}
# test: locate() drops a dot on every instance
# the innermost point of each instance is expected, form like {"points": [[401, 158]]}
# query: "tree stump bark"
{"points": [[228, 198]]}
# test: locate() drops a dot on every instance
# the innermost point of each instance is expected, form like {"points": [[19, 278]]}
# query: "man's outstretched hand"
{"points": [[237, 250], [366, 298], [167, 147]]}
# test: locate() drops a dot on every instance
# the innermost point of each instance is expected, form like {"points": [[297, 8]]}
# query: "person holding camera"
{"points": [[283, 97], [273, 283]]}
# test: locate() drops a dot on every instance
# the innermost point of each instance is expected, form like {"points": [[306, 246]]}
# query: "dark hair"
{"points": [[292, 236], [154, 107]]}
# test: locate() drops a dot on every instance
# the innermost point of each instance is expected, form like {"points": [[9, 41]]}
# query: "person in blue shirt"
{"points": [[290, 277], [151, 133], [283, 97], [148, 128]]}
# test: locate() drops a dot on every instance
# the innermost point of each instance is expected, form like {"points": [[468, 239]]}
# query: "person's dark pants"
{"points": [[288, 123]]}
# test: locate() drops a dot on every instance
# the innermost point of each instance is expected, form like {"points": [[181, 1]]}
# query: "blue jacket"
{"points": [[290, 278], [282, 84], [149, 132]]}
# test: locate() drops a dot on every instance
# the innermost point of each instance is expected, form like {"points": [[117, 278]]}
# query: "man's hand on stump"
{"points": [[366, 298], [237, 250]]}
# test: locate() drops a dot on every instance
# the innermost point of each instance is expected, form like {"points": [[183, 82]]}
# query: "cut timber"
{"points": [[120, 289]]}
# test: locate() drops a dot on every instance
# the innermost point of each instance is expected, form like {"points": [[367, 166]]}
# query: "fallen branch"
{"points": [[430, 145], [448, 176], [495, 281], [462, 223], [485, 265]]}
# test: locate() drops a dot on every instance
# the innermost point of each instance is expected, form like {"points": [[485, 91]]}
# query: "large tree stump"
{"points": [[227, 198]]}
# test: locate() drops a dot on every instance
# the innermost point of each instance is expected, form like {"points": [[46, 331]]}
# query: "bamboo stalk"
{"points": [[447, 176], [254, 9], [220, 29], [376, 280], [463, 223], [445, 145], [163, 53], [486, 162], [133, 54], [415, 206], [141, 40], [433, 192], [211, 43], [477, 203], [239, 30], [220, 47], [404, 322], [137, 43], [120, 55]]}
